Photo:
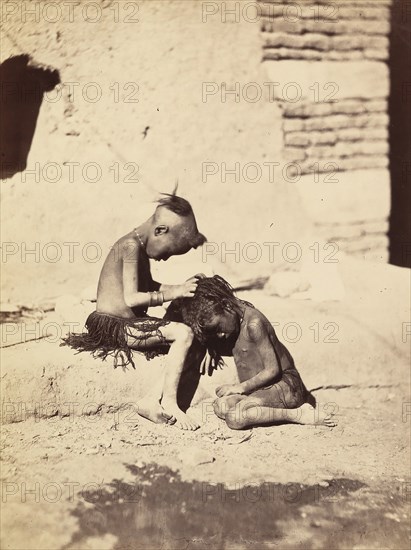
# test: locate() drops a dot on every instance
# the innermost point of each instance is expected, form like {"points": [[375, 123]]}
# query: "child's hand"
{"points": [[229, 389], [187, 289]]}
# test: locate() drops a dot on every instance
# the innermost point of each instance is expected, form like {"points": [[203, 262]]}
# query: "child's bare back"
{"points": [[110, 292], [126, 290]]}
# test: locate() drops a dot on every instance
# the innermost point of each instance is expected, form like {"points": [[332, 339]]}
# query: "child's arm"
{"points": [[186, 290], [169, 291], [259, 337], [134, 298]]}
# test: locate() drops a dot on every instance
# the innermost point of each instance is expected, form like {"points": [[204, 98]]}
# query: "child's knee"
{"points": [[234, 421], [244, 415], [220, 407], [183, 334], [237, 418]]}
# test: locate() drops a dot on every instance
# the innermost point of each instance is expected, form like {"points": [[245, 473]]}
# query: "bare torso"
{"points": [[246, 352], [110, 294]]}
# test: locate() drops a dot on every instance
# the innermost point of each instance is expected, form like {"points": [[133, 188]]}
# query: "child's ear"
{"points": [[160, 230]]}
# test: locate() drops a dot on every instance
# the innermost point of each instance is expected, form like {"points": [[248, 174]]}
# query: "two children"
{"points": [[204, 314]]}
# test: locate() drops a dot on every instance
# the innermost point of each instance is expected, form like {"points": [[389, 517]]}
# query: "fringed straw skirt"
{"points": [[107, 335]]}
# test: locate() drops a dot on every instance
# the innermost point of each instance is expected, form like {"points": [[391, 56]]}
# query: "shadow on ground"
{"points": [[160, 510]]}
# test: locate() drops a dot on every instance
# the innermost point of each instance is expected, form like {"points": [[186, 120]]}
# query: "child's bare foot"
{"points": [[152, 410], [183, 421], [315, 416]]}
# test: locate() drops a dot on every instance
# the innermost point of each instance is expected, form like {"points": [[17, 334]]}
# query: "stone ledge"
{"points": [[336, 122], [313, 40], [315, 55], [326, 11], [343, 107], [304, 139], [57, 382], [323, 42], [334, 166], [364, 243], [373, 54], [355, 79], [294, 154], [345, 149], [373, 28]]}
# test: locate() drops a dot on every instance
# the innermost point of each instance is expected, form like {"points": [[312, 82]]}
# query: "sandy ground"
{"points": [[78, 470], [115, 480], [118, 481]]}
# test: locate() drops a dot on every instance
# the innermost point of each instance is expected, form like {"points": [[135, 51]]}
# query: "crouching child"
{"points": [[270, 389]]}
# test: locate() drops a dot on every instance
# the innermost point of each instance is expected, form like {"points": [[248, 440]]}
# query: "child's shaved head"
{"points": [[177, 213]]}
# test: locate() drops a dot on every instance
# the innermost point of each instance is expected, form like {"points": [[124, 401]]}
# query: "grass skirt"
{"points": [[107, 335]]}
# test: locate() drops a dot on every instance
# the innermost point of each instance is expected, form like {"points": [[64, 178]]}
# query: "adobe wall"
{"points": [[335, 118]]}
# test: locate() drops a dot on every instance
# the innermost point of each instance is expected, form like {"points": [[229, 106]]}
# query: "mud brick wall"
{"points": [[335, 115]]}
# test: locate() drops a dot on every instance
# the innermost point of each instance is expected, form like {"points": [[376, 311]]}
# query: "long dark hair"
{"points": [[213, 296]]}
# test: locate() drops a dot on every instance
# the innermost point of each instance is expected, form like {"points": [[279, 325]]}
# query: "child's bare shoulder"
{"points": [[127, 246], [257, 325]]}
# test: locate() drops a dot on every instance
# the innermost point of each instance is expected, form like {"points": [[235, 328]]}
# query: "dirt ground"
{"points": [[114, 480], [118, 481]]}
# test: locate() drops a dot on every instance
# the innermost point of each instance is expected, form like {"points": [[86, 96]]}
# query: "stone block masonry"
{"points": [[328, 61]]}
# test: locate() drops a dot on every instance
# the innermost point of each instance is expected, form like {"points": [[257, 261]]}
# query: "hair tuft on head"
{"points": [[176, 204]]}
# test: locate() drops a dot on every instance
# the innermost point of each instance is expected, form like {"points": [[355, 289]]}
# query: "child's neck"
{"points": [[243, 307], [142, 232], [241, 314], [140, 239]]}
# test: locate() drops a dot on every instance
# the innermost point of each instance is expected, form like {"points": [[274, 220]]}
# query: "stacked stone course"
{"points": [[342, 48]]}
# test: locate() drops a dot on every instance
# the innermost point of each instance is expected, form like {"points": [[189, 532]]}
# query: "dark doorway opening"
{"points": [[22, 85], [400, 133]]}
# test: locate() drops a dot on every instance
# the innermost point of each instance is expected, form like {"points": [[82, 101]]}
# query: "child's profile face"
{"points": [[223, 326], [161, 247]]}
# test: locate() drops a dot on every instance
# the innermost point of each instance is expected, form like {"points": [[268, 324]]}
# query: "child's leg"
{"points": [[223, 405], [191, 375], [283, 402], [149, 406], [257, 411], [181, 337]]}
